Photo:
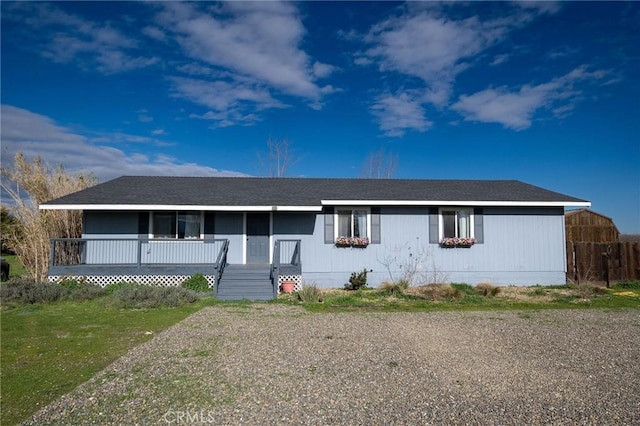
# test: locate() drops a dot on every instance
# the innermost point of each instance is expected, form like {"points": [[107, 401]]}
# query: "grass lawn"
{"points": [[17, 269], [49, 349]]}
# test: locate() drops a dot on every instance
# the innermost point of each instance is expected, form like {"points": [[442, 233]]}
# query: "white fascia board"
{"points": [[297, 208], [165, 207], [457, 203]]}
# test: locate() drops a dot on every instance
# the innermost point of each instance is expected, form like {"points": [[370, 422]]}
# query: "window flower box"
{"points": [[357, 242], [454, 242]]}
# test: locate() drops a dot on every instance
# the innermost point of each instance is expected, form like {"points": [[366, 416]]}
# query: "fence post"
{"points": [[605, 265]]}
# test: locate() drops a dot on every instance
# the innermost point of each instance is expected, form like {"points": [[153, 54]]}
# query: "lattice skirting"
{"points": [[297, 279], [159, 280]]}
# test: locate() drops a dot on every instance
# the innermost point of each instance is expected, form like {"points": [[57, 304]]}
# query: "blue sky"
{"points": [[546, 93]]}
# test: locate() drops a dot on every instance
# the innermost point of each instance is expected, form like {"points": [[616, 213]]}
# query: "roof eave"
{"points": [[456, 203], [174, 207]]}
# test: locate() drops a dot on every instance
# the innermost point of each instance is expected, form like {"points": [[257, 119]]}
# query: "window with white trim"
{"points": [[456, 223], [177, 225], [352, 223]]}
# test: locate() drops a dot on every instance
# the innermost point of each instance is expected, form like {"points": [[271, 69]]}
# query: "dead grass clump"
{"points": [[435, 292], [487, 289], [394, 288], [589, 289]]}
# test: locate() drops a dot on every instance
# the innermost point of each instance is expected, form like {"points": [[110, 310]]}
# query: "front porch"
{"points": [[168, 262]]}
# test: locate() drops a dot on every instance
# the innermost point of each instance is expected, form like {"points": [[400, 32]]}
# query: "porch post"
{"points": [[52, 253]]}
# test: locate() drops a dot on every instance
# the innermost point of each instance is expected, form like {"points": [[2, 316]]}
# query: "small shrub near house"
{"points": [[357, 280], [112, 288], [197, 283], [24, 290], [29, 291], [145, 296], [310, 293], [79, 289], [395, 288]]}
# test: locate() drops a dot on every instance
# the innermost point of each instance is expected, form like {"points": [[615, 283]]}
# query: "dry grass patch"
{"points": [[435, 292]]}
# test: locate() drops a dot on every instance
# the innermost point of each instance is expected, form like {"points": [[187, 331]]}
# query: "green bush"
{"points": [[112, 288], [197, 283], [310, 294], [146, 296], [71, 283], [28, 291], [357, 281], [87, 291]]}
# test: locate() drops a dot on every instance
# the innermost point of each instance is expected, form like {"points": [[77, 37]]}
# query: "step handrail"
{"points": [[292, 265], [221, 262], [275, 267]]}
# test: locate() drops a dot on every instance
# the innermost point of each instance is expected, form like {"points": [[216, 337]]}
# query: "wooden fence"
{"points": [[603, 262]]}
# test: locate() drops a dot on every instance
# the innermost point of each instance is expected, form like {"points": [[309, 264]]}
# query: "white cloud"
{"points": [[195, 69], [38, 135], [515, 109], [71, 38], [144, 117], [321, 70], [512, 109], [398, 113], [432, 47], [233, 102], [499, 59], [155, 33], [258, 40], [539, 6]]}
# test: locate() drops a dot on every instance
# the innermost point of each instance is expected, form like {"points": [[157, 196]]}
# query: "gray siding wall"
{"points": [[521, 247], [109, 224], [230, 226]]}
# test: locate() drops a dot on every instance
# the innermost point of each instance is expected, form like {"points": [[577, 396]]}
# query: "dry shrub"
{"points": [[310, 293], [437, 292], [29, 185], [394, 288], [487, 289], [588, 289]]}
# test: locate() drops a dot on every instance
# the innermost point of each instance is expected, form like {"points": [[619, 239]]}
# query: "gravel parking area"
{"points": [[274, 364]]}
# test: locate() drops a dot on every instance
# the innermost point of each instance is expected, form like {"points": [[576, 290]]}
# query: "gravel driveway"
{"points": [[274, 364]]}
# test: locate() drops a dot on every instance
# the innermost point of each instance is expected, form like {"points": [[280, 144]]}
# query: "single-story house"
{"points": [[249, 235]]}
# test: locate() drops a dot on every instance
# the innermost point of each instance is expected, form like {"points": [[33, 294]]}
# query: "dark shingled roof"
{"points": [[240, 191]]}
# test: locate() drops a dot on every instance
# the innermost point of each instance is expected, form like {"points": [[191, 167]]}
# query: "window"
{"points": [[456, 223], [181, 225], [353, 223]]}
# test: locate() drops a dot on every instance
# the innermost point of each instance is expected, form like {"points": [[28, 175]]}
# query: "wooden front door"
{"points": [[257, 237]]}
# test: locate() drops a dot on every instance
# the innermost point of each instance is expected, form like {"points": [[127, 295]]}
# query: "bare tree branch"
{"points": [[380, 165], [278, 158]]}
